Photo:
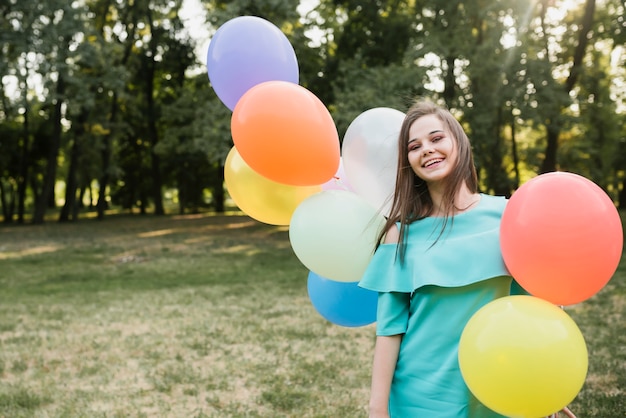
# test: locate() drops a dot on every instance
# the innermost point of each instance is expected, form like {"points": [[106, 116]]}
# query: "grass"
{"points": [[204, 316], [197, 316]]}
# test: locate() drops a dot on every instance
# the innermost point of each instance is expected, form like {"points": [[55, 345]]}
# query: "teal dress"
{"points": [[429, 297]]}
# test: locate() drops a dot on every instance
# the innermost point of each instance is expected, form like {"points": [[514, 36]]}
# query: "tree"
{"points": [[102, 90], [90, 76], [566, 57], [116, 24], [365, 34], [19, 38], [61, 23]]}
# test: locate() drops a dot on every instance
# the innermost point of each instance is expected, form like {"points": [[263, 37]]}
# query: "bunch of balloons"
{"points": [[287, 166], [562, 240]]}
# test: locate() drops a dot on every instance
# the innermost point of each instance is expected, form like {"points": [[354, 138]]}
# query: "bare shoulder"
{"points": [[392, 236]]}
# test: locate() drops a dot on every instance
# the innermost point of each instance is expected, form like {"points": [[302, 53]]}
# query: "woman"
{"points": [[437, 262]]}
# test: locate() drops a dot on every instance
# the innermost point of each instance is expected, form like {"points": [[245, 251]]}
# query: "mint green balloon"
{"points": [[333, 233]]}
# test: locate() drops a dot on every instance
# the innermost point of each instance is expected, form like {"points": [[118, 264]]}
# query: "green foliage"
{"points": [[360, 88], [137, 116]]}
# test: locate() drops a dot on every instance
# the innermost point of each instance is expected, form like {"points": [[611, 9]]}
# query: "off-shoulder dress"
{"points": [[429, 297]]}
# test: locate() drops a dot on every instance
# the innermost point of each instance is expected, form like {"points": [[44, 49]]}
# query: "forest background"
{"points": [[105, 103]]}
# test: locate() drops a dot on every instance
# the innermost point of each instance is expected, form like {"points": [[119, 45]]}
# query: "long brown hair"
{"points": [[411, 199]]}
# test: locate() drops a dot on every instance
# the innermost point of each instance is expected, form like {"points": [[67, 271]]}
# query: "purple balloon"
{"points": [[246, 51]]}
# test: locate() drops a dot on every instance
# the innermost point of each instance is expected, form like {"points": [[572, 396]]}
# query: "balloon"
{"points": [[262, 199], [285, 133], [342, 303], [370, 154], [246, 51], [333, 233], [522, 356], [561, 237], [339, 181]]}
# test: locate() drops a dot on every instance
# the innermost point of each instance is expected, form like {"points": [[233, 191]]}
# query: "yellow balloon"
{"points": [[523, 357], [260, 198]]}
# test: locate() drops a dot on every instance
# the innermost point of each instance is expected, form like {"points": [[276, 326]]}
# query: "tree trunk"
{"points": [[8, 204], [549, 160], [5, 214], [449, 88], [150, 64], [218, 189], [514, 152], [621, 199], [103, 181], [71, 186], [70, 208], [22, 180], [553, 127], [102, 204], [183, 186], [49, 180]]}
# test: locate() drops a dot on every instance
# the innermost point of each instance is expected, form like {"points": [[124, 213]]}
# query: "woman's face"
{"points": [[432, 150]]}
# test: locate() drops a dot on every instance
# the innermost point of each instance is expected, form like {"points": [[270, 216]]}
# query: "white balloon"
{"points": [[370, 155]]}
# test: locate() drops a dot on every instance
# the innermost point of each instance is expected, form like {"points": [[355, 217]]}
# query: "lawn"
{"points": [[204, 316]]}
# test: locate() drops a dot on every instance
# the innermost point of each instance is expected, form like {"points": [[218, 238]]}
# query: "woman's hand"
{"points": [[378, 413], [566, 411], [385, 358]]}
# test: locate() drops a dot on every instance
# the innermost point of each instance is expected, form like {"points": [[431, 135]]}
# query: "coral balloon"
{"points": [[370, 155], [333, 234], [561, 237], [522, 356], [246, 51], [342, 303], [262, 199], [285, 133]]}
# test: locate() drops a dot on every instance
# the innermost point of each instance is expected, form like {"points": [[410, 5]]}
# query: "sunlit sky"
{"points": [[193, 16]]}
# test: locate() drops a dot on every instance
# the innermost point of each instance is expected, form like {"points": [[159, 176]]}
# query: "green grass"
{"points": [[204, 316]]}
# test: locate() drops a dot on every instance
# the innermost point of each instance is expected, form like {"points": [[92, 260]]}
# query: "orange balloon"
{"points": [[260, 198], [561, 237], [285, 133]]}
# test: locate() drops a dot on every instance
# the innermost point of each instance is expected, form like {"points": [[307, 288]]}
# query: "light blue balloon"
{"points": [[246, 51], [342, 303]]}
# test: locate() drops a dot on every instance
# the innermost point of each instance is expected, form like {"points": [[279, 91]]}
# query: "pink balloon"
{"points": [[561, 237], [339, 180]]}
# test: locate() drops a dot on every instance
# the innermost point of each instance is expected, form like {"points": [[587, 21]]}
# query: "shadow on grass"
{"points": [[142, 254], [18, 402]]}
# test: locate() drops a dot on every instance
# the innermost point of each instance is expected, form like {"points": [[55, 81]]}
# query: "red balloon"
{"points": [[286, 134], [561, 237]]}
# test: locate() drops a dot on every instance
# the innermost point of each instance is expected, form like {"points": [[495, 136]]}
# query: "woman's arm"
{"points": [[385, 358]]}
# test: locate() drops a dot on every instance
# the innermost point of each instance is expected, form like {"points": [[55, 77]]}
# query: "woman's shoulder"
{"points": [[492, 201], [392, 235], [493, 198]]}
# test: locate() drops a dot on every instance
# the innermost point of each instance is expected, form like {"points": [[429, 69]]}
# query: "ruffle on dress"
{"points": [[467, 252]]}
